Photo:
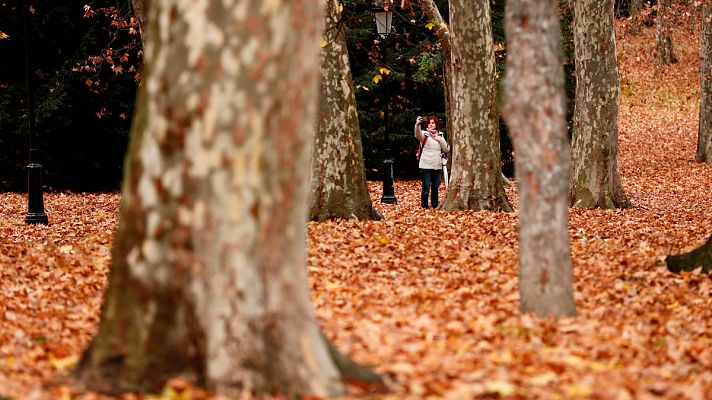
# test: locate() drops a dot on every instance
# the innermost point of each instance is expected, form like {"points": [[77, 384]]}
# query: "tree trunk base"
{"points": [[699, 257]]}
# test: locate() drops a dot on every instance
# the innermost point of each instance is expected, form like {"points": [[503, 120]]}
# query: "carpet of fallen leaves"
{"points": [[429, 298]]}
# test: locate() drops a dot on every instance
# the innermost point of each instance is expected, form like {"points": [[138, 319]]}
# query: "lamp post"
{"points": [[384, 17], [35, 201]]}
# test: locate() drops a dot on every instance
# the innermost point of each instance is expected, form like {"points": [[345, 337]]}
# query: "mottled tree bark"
{"points": [[704, 135], [534, 113], [596, 180], [663, 34], [338, 177], [208, 278], [476, 182]]}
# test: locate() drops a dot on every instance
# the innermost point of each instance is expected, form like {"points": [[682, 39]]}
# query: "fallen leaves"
{"points": [[429, 299], [51, 283]]}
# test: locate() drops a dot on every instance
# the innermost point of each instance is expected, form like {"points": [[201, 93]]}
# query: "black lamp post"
{"points": [[384, 17], [35, 202]]}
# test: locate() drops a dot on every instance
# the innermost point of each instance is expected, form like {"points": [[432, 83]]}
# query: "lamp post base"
{"points": [[389, 196], [36, 218]]}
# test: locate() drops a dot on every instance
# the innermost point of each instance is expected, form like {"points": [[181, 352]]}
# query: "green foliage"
{"points": [[428, 64]]}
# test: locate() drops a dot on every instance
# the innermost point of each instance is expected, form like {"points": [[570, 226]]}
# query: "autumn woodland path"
{"points": [[429, 298]]}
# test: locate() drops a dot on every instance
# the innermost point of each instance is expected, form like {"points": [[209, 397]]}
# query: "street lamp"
{"points": [[35, 202], [384, 16]]}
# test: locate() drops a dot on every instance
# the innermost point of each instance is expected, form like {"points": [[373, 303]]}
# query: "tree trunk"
{"points": [[704, 135], [596, 180], [208, 277], [442, 30], [634, 9], [338, 186], [566, 22], [140, 8], [699, 257], [663, 34], [534, 112], [476, 182]]}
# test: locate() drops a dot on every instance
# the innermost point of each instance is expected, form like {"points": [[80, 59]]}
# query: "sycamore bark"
{"points": [[596, 180], [208, 278], [534, 113], [704, 135], [663, 34], [476, 182], [338, 185]]}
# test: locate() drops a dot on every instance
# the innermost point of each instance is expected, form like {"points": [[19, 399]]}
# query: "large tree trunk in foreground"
{"points": [[534, 112], [699, 257], [596, 180], [477, 182], [208, 277], [663, 34], [338, 187], [704, 135]]}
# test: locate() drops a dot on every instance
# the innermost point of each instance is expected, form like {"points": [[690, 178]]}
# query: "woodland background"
{"points": [[83, 68], [434, 311]]}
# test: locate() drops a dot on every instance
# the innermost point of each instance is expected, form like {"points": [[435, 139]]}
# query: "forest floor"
{"points": [[429, 299]]}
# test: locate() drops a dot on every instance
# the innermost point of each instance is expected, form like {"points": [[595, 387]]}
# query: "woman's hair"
{"points": [[434, 118]]}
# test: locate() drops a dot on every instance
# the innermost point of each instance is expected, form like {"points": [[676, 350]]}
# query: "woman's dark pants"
{"points": [[431, 182]]}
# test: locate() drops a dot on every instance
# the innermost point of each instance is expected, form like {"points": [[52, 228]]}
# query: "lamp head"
{"points": [[384, 18]]}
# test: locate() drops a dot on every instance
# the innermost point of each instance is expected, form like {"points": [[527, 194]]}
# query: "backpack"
{"points": [[420, 148]]}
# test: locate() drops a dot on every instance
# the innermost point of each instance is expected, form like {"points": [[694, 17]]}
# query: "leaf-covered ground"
{"points": [[428, 298]]}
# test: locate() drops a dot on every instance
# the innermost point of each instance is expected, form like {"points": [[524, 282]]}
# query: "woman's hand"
{"points": [[419, 121]]}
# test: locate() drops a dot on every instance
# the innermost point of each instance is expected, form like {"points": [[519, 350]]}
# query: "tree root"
{"points": [[699, 257], [350, 371]]}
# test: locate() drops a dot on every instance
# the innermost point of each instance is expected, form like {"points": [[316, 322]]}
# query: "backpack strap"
{"points": [[420, 148]]}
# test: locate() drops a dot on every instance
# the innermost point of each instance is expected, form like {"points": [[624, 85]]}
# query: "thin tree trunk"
{"points": [[566, 21], [704, 135], [634, 9], [208, 278], [476, 182], [338, 184], [443, 31], [140, 8], [663, 34], [596, 180], [534, 112]]}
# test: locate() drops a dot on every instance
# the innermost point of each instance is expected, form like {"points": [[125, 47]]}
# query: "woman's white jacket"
{"points": [[431, 154]]}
